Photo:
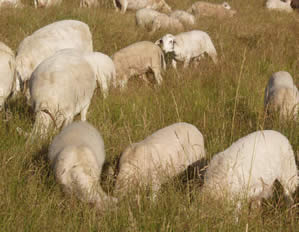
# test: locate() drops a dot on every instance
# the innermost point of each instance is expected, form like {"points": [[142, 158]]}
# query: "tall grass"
{"points": [[225, 101]]}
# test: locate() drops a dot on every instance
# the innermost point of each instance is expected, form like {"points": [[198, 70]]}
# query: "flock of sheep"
{"points": [[58, 71]]}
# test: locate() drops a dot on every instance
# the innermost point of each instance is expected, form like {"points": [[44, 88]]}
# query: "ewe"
{"points": [[248, 168], [281, 94], [45, 42], [145, 17], [184, 17], [188, 46], [123, 5], [162, 155], [77, 156], [62, 86], [139, 59], [7, 70], [279, 5], [202, 9]]}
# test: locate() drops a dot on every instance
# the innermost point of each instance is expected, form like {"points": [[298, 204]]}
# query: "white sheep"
{"points": [[138, 59], [188, 46], [282, 94], [46, 3], [184, 17], [89, 3], [11, 3], [279, 5], [202, 9], [7, 69], [46, 41], [145, 17], [61, 87], [165, 22], [123, 5], [162, 155], [77, 156], [248, 168]]}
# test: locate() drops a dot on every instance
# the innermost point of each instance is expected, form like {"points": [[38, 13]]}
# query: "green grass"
{"points": [[224, 101]]}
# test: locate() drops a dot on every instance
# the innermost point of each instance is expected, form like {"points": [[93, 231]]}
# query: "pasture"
{"points": [[224, 101]]}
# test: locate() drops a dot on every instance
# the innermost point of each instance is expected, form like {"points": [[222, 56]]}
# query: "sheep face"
{"points": [[226, 5], [167, 43]]}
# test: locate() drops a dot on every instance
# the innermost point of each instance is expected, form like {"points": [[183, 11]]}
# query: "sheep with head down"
{"points": [[281, 94], [279, 5], [45, 42], [62, 87], [162, 155], [77, 156], [248, 169]]}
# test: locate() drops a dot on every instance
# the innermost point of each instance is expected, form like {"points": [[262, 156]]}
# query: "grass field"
{"points": [[224, 101]]}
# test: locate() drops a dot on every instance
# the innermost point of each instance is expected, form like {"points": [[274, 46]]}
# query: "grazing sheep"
{"points": [[165, 22], [46, 3], [139, 59], [61, 87], [7, 69], [11, 3], [202, 9], [295, 4], [145, 17], [184, 17], [46, 41], [89, 3], [248, 168], [77, 156], [282, 94], [123, 5], [162, 155], [188, 46], [279, 5]]}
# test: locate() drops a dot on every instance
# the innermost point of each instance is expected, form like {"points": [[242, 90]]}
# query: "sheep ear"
{"points": [[159, 41]]}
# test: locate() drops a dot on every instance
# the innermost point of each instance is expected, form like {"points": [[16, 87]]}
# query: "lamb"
{"points": [[46, 3], [248, 168], [295, 4], [77, 156], [138, 59], [184, 17], [282, 94], [164, 22], [123, 5], [202, 9], [279, 5], [145, 17], [188, 46], [11, 3], [45, 42], [89, 3], [61, 87], [7, 69], [162, 155]]}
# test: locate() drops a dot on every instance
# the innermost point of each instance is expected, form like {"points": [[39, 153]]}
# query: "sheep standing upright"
{"points": [[248, 168], [77, 156], [46, 41], [138, 59], [281, 94], [162, 155], [7, 70], [188, 46], [279, 5]]}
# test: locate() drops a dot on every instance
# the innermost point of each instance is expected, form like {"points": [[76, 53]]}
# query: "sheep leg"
{"points": [[124, 5], [104, 88], [186, 62], [115, 5], [158, 76], [84, 113], [173, 62], [144, 78]]}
